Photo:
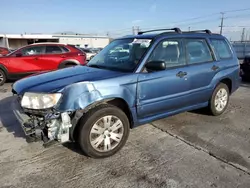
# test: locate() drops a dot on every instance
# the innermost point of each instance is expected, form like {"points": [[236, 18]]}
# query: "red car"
{"points": [[39, 57], [4, 51]]}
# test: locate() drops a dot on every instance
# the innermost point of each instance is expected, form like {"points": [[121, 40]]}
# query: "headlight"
{"points": [[40, 100]]}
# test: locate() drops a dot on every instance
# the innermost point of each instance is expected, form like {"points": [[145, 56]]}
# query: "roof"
{"points": [[47, 43], [184, 34]]}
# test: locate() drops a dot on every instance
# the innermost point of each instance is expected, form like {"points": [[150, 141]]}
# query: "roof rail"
{"points": [[176, 29], [197, 31]]}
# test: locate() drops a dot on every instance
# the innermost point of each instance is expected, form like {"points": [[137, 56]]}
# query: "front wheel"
{"points": [[103, 131], [219, 100]]}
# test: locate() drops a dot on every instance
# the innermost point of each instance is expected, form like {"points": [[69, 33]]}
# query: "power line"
{"points": [[237, 10], [191, 19]]}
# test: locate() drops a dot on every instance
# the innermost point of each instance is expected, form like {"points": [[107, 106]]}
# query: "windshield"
{"points": [[121, 55], [12, 52]]}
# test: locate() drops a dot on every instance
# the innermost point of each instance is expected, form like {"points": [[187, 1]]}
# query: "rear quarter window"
{"points": [[222, 48], [64, 49]]}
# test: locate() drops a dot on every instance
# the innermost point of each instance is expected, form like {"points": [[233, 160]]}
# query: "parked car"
{"points": [[245, 68], [97, 105], [39, 57], [4, 51], [89, 53], [95, 50]]}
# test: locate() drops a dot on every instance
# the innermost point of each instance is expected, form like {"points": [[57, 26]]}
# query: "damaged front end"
{"points": [[47, 125]]}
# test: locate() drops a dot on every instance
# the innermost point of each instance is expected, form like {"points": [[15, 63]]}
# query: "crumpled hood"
{"points": [[56, 80]]}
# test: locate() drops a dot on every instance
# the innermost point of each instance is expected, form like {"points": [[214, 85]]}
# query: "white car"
{"points": [[89, 54]]}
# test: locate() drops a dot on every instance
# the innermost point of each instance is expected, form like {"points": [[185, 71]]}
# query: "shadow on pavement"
{"points": [[74, 147], [8, 118], [245, 84]]}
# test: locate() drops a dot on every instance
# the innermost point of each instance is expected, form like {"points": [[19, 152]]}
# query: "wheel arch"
{"points": [[68, 62], [228, 82], [118, 102], [2, 67]]}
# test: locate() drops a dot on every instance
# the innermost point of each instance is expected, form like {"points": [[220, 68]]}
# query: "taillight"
{"points": [[81, 54]]}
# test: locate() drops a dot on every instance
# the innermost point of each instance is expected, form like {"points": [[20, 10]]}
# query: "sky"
{"points": [[117, 17]]}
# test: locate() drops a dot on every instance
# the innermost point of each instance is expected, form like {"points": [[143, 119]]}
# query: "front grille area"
{"points": [[42, 112]]}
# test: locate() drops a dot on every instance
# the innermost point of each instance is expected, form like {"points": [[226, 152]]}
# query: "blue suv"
{"points": [[133, 81]]}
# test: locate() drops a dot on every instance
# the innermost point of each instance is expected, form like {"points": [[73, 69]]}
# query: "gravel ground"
{"points": [[191, 149]]}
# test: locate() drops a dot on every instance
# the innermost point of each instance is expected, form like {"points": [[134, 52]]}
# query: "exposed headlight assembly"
{"points": [[40, 100]]}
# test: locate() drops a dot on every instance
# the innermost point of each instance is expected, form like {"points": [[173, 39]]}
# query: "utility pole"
{"points": [[245, 37], [222, 22], [135, 30], [243, 34]]}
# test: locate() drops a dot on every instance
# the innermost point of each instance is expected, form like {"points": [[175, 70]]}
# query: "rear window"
{"points": [[222, 49]]}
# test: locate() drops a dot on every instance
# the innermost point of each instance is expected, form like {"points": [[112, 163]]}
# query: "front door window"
{"points": [[33, 50], [170, 51]]}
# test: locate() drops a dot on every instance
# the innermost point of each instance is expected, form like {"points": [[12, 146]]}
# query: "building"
{"points": [[15, 41]]}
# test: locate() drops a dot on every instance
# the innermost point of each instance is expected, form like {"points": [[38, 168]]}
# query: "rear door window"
{"points": [[198, 51], [222, 49], [53, 50]]}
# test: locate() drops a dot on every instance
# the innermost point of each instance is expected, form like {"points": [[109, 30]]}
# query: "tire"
{"points": [[2, 77], [217, 104], [69, 65], [92, 143], [91, 57]]}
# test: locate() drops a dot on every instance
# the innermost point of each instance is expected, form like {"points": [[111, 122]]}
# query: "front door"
{"points": [[160, 92], [26, 60]]}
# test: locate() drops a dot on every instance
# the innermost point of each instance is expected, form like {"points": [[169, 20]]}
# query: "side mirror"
{"points": [[156, 65], [19, 55]]}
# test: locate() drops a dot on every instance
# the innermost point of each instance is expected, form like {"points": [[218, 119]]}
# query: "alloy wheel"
{"points": [[221, 99], [106, 133]]}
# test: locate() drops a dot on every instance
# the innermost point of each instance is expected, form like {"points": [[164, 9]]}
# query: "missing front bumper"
{"points": [[48, 128]]}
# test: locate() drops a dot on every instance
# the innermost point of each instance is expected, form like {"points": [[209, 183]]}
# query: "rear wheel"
{"points": [[69, 65], [2, 77], [103, 131], [219, 100]]}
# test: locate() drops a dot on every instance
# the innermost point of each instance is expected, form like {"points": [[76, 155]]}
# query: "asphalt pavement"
{"points": [[191, 149]]}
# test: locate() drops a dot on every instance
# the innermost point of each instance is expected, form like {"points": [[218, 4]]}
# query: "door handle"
{"points": [[181, 74], [214, 68], [36, 58], [63, 56]]}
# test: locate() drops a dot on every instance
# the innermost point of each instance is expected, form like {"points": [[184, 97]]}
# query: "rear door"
{"points": [[202, 68], [52, 57], [26, 60]]}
